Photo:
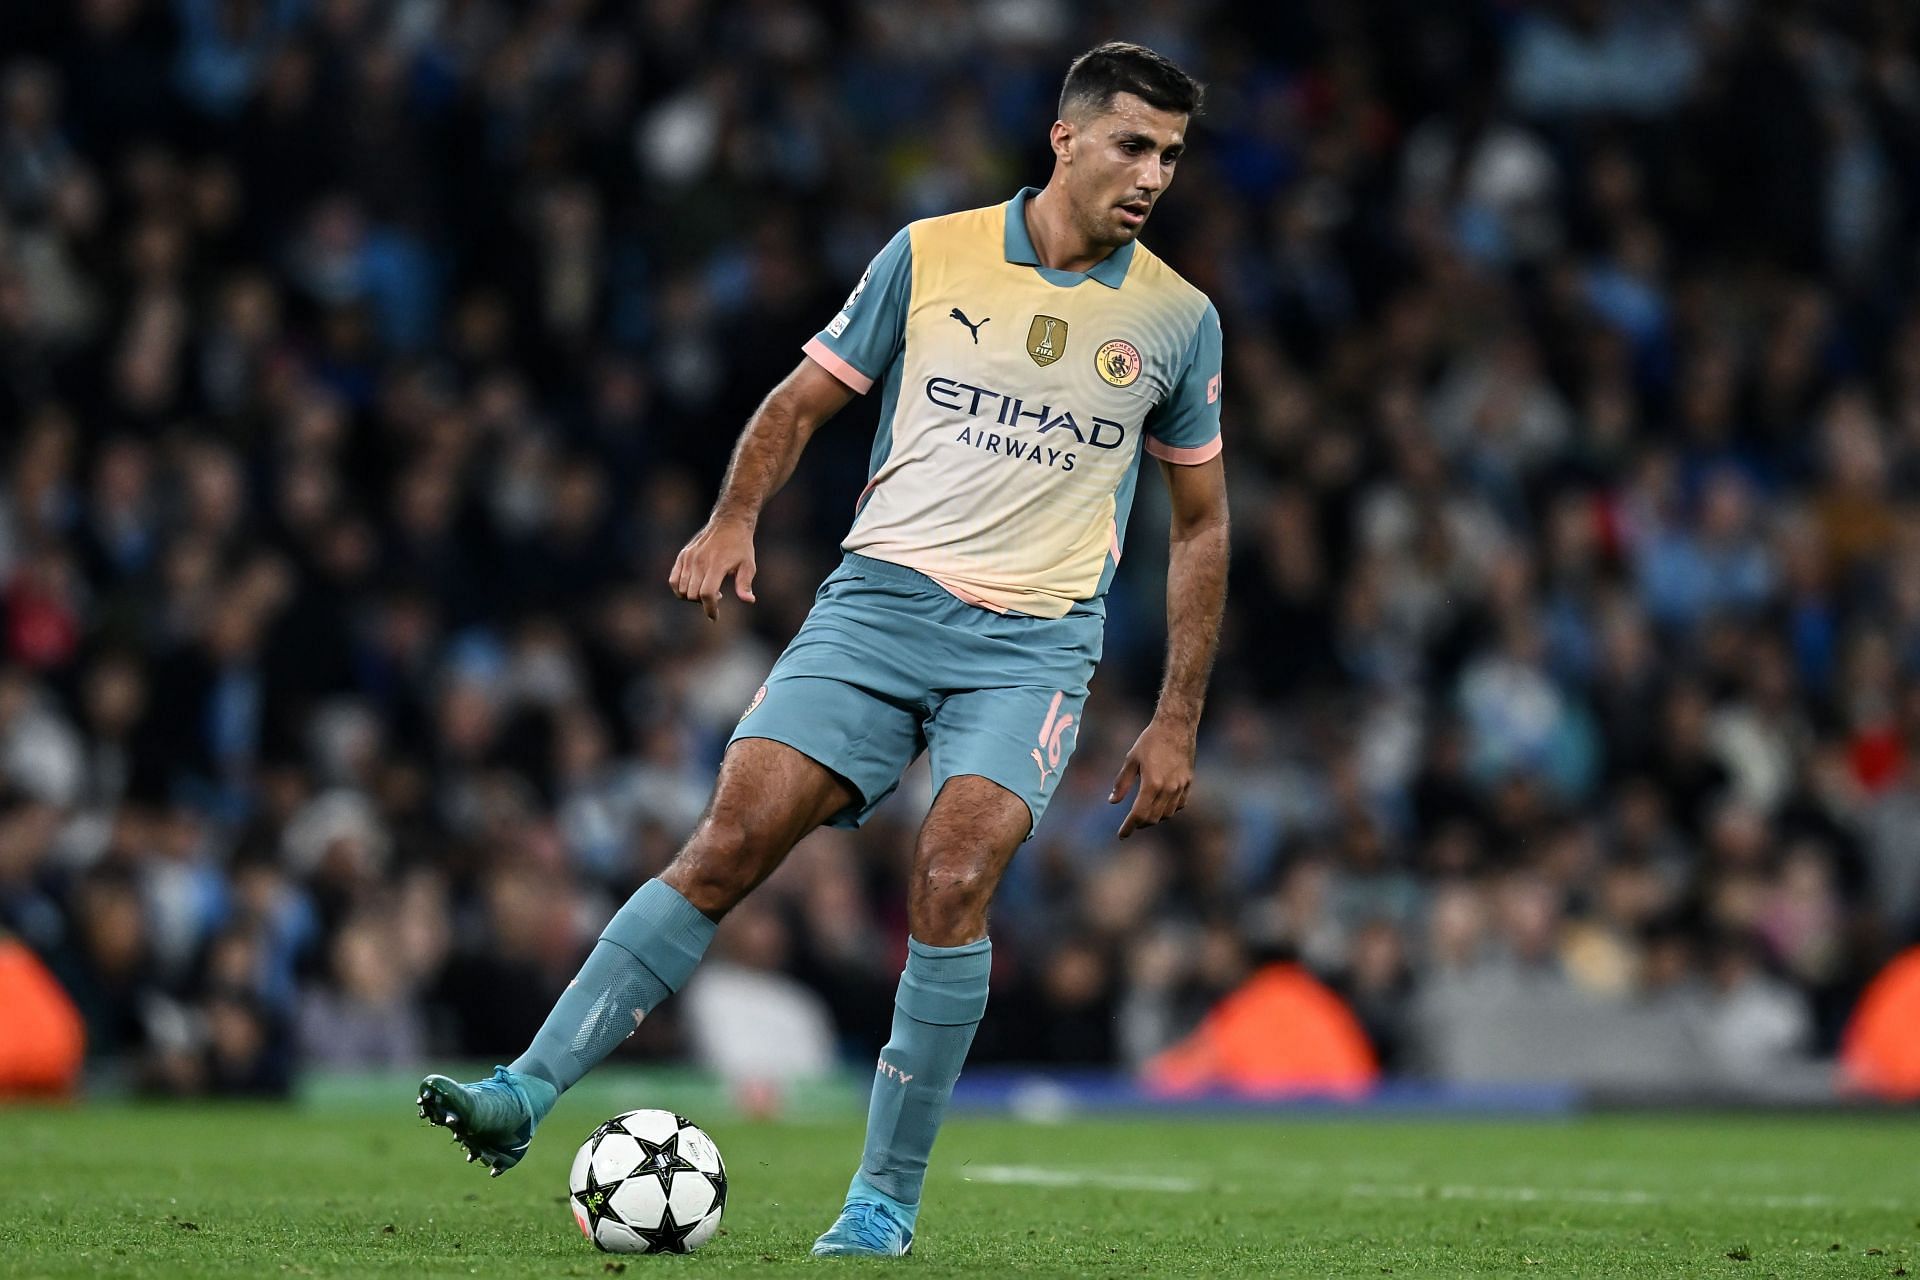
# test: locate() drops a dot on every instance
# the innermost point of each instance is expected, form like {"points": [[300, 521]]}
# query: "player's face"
{"points": [[1119, 164]]}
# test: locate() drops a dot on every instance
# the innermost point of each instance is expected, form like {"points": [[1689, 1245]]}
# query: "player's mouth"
{"points": [[1134, 212]]}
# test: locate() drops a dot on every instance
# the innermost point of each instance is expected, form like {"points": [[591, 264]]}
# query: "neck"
{"points": [[1059, 244]]}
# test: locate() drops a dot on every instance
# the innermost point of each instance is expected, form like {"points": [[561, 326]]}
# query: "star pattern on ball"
{"points": [[597, 1199], [669, 1236], [664, 1160]]}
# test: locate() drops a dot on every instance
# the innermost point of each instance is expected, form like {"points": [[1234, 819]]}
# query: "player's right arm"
{"points": [[765, 457], [843, 359]]}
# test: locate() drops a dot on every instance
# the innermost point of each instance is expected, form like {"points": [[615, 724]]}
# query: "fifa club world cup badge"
{"points": [[758, 697], [1118, 362], [1046, 339]]}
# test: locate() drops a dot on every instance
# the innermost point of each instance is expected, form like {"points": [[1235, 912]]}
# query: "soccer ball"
{"points": [[648, 1182]]}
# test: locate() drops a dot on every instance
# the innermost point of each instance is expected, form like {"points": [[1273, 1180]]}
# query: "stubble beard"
{"points": [[1100, 228]]}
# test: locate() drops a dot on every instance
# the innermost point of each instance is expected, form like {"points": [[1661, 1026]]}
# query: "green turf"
{"points": [[245, 1191]]}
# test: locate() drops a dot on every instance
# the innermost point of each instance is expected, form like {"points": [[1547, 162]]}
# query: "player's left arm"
{"points": [[1162, 758], [1185, 435]]}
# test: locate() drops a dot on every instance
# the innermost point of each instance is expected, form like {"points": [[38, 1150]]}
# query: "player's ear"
{"points": [[1061, 138]]}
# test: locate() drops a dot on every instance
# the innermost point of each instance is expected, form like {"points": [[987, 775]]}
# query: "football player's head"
{"points": [[1123, 125]]}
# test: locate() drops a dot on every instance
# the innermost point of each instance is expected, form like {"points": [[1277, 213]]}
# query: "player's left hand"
{"points": [[1162, 762]]}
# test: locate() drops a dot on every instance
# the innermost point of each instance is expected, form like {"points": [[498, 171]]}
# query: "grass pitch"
{"points": [[253, 1191]]}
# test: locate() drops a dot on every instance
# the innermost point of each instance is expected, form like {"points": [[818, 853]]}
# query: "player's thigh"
{"points": [[1019, 737], [767, 798], [774, 792], [860, 734]]}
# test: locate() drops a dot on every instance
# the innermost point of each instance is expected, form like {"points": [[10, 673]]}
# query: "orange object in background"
{"points": [[1280, 1032], [1880, 1052], [42, 1039]]}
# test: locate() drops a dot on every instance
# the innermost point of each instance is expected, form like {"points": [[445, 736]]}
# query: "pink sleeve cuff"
{"points": [[839, 368], [1185, 457]]}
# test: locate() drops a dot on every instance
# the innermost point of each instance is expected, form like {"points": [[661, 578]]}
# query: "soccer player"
{"points": [[1026, 355]]}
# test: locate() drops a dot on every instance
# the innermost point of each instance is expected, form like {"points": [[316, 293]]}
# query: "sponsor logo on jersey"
{"points": [[1118, 362], [1011, 411], [1046, 339]]}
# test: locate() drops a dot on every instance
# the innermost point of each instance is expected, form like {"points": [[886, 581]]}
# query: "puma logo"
{"points": [[972, 328]]}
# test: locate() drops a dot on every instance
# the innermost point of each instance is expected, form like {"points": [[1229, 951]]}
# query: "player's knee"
{"points": [[718, 866]]}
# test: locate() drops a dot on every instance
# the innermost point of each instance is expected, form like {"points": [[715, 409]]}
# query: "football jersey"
{"points": [[1015, 404]]}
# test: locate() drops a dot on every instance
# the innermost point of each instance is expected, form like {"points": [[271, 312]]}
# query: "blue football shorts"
{"points": [[889, 664]]}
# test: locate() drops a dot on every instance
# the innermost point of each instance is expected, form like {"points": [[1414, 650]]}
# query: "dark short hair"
{"points": [[1118, 67]]}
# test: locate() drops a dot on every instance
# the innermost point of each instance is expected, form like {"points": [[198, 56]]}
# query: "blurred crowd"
{"points": [[364, 363]]}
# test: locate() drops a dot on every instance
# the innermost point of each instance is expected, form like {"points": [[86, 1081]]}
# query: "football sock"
{"points": [[942, 995], [646, 953]]}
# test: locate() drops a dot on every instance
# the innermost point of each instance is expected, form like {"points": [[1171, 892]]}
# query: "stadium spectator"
{"points": [[362, 367]]}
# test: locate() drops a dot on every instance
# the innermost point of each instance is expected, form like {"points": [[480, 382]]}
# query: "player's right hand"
{"points": [[701, 569]]}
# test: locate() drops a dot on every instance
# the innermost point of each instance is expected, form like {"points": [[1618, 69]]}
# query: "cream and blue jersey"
{"points": [[1016, 402]]}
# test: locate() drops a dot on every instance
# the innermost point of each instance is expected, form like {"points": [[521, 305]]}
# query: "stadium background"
{"points": [[363, 366]]}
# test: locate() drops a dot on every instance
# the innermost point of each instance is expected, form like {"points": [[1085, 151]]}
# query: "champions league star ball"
{"points": [[648, 1182]]}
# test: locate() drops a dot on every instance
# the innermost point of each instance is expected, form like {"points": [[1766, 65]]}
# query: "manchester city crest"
{"points": [[1118, 362]]}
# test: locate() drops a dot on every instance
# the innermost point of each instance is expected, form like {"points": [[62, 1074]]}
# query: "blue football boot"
{"points": [[873, 1225], [493, 1119]]}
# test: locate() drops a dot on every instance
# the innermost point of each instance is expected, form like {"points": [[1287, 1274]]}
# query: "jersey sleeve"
{"points": [[1185, 427], [858, 344]]}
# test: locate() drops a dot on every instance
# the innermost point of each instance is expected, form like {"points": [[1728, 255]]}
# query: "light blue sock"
{"points": [[942, 996], [646, 953]]}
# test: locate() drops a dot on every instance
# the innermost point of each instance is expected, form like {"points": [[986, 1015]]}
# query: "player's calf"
{"points": [[768, 796], [964, 848], [647, 952]]}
